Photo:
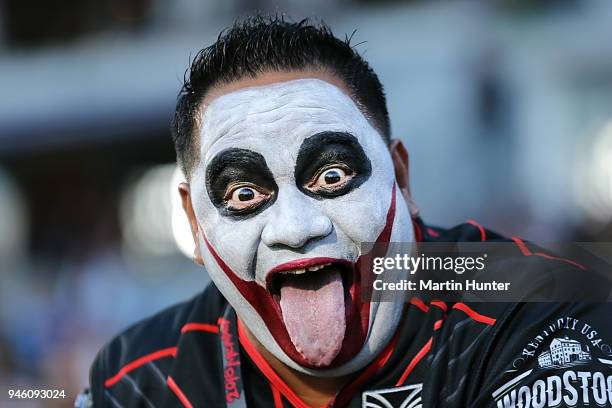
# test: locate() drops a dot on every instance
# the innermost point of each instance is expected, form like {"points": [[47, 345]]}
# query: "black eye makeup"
{"points": [[331, 164], [239, 183]]}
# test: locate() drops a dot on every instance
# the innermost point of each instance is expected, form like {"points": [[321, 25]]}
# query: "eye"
{"points": [[331, 180], [332, 176], [242, 197]]}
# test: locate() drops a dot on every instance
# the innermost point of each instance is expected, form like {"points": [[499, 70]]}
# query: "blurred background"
{"points": [[505, 107]]}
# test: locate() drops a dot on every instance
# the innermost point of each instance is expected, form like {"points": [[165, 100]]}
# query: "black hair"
{"points": [[262, 44]]}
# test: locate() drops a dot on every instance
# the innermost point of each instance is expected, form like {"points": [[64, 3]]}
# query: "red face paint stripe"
{"points": [[178, 392], [385, 234], [383, 237], [474, 315], [167, 352], [206, 327], [267, 370], [418, 357], [483, 234]]}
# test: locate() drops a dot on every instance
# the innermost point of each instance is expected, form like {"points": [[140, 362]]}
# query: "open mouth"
{"points": [[314, 298]]}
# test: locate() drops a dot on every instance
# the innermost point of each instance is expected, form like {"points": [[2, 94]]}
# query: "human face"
{"points": [[291, 179]]}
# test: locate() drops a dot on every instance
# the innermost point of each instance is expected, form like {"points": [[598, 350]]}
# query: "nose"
{"points": [[294, 221]]}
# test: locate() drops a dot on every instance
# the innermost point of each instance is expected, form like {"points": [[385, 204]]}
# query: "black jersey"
{"points": [[196, 354]]}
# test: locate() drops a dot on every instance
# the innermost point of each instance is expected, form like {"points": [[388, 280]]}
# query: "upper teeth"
{"points": [[310, 269]]}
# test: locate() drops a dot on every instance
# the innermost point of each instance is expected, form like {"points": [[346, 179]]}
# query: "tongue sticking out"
{"points": [[313, 311]]}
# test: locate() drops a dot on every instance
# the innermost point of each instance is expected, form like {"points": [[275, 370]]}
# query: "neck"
{"points": [[314, 391]]}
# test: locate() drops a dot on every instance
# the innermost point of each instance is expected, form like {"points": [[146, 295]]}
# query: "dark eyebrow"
{"points": [[327, 148], [236, 165]]}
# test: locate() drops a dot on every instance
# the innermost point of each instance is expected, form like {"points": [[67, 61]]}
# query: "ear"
{"points": [[401, 161], [193, 222]]}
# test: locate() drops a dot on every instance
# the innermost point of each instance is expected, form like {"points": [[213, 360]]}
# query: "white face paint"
{"points": [[316, 180]]}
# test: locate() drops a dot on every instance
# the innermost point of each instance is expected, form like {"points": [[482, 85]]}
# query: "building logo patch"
{"points": [[567, 363], [564, 352]]}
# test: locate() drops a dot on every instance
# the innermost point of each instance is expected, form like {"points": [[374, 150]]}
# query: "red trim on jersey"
{"points": [[267, 370], [278, 400], [170, 351], [206, 327], [348, 392], [418, 357], [277, 383], [523, 247], [519, 242], [178, 392], [432, 232], [440, 304], [474, 315], [556, 258], [420, 304], [438, 324], [418, 234], [483, 234]]}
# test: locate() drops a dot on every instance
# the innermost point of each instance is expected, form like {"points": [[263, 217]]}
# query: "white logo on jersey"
{"points": [[408, 396], [568, 362], [572, 388], [564, 352]]}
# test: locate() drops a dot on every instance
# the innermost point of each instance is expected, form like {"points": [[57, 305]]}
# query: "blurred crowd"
{"points": [[505, 107]]}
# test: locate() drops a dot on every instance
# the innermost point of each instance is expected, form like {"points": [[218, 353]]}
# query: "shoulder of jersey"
{"points": [[158, 333]]}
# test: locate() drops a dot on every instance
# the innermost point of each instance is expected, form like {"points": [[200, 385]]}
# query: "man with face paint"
{"points": [[283, 134]]}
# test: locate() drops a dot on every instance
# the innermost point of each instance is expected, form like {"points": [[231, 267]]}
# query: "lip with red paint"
{"points": [[305, 265]]}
